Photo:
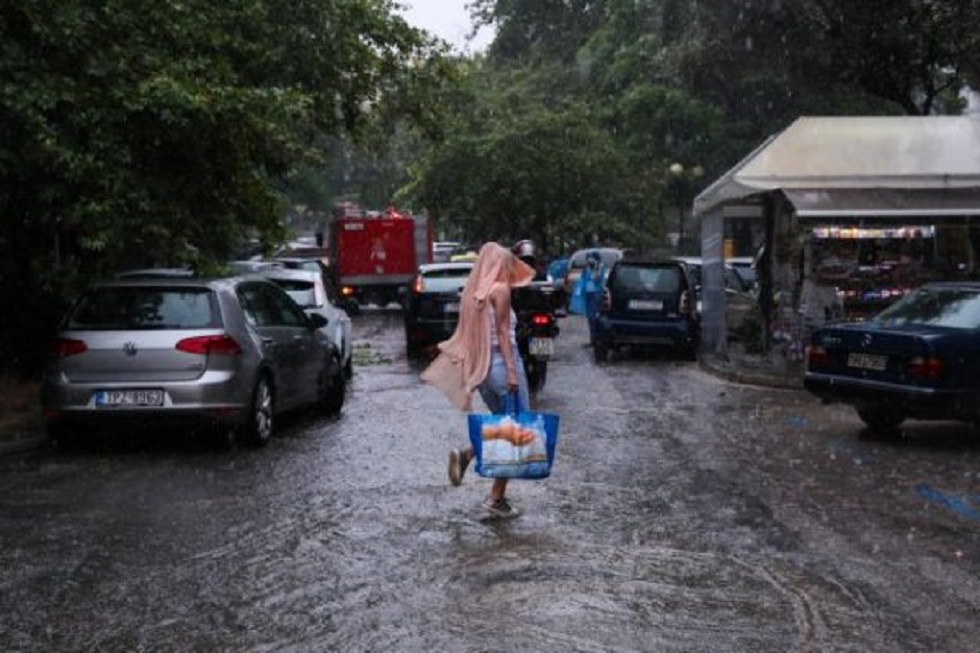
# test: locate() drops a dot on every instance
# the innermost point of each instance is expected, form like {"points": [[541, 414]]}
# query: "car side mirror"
{"points": [[317, 321]]}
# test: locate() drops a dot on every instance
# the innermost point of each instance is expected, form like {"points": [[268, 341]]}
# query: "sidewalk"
{"points": [[20, 438]]}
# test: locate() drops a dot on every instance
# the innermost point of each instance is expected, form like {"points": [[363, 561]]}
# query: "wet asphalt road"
{"points": [[684, 514]]}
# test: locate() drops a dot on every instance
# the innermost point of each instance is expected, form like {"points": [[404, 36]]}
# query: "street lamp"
{"points": [[682, 175]]}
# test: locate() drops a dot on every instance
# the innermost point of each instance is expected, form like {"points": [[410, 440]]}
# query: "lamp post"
{"points": [[682, 176]]}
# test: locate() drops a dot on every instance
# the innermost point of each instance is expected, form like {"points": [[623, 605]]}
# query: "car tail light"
{"points": [[418, 285], [685, 304], [65, 347], [541, 319], [925, 367], [223, 345], [347, 291], [606, 305], [816, 356]]}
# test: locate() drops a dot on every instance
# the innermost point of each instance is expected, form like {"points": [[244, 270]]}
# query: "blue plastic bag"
{"points": [[515, 444]]}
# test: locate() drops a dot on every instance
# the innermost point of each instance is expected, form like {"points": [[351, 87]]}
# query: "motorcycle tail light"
{"points": [[541, 319], [925, 367]]}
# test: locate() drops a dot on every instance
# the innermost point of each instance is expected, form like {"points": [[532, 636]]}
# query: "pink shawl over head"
{"points": [[464, 358]]}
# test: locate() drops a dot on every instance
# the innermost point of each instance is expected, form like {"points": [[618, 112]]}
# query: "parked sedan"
{"points": [[228, 354], [432, 304], [307, 288], [919, 359], [648, 304]]}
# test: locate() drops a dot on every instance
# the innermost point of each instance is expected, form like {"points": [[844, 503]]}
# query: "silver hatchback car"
{"points": [[229, 354]]}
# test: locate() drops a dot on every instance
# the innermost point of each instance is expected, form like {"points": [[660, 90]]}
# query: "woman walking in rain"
{"points": [[482, 354]]}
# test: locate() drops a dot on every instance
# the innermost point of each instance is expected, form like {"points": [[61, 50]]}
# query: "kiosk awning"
{"points": [[900, 203], [897, 166]]}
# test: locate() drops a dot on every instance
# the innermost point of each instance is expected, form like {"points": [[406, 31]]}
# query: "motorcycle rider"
{"points": [[527, 252]]}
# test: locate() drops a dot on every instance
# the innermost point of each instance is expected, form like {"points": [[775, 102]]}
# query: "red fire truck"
{"points": [[375, 254]]}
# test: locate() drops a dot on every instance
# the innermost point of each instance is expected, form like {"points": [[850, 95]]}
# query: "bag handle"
{"points": [[512, 404]]}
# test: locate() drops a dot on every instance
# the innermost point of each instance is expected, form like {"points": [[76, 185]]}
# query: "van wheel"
{"points": [[260, 426]]}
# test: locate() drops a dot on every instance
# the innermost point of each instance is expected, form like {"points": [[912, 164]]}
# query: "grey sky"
{"points": [[447, 19]]}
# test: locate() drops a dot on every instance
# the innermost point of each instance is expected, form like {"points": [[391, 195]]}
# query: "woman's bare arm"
{"points": [[501, 307]]}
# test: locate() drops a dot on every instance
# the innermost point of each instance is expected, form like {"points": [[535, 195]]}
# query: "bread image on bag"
{"points": [[509, 430], [517, 445]]}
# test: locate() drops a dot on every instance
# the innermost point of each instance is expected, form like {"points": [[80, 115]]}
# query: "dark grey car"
{"points": [[230, 354]]}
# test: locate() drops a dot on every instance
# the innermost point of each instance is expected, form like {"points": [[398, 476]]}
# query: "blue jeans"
{"points": [[593, 301], [493, 390]]}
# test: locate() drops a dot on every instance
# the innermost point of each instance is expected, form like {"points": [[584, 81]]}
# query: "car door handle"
{"points": [[269, 342]]}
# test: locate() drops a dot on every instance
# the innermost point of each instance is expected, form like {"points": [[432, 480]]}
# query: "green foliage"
{"points": [[145, 132]]}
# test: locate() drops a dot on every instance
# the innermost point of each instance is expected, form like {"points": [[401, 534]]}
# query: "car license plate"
{"points": [[646, 305], [451, 308], [867, 361], [541, 347], [120, 398]]}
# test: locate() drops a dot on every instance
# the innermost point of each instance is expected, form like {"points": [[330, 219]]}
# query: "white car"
{"points": [[307, 289]]}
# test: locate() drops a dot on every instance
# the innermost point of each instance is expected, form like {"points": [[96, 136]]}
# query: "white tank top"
{"points": [[494, 340]]}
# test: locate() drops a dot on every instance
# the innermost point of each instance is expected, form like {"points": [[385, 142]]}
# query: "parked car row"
{"points": [[226, 355], [431, 304]]}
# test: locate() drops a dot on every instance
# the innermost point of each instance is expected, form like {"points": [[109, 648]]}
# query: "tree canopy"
{"points": [[141, 132]]}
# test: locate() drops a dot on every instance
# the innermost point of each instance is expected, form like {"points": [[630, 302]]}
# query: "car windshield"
{"points": [[948, 307], [134, 308], [647, 278], [444, 279], [302, 292]]}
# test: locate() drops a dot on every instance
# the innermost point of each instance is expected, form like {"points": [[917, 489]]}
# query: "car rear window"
{"points": [[133, 308], [302, 292], [444, 279], [948, 307], [665, 279]]}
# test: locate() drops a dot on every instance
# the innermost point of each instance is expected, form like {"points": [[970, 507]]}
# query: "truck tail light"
{"points": [[65, 347], [203, 345], [925, 367]]}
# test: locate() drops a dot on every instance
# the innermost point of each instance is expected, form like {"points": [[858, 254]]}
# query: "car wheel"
{"points": [[880, 419], [334, 392], [64, 438], [601, 352], [260, 426]]}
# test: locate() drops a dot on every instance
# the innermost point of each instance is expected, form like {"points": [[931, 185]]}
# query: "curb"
{"points": [[22, 444], [729, 372]]}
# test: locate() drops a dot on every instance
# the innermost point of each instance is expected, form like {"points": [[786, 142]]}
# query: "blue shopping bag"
{"points": [[515, 444]]}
